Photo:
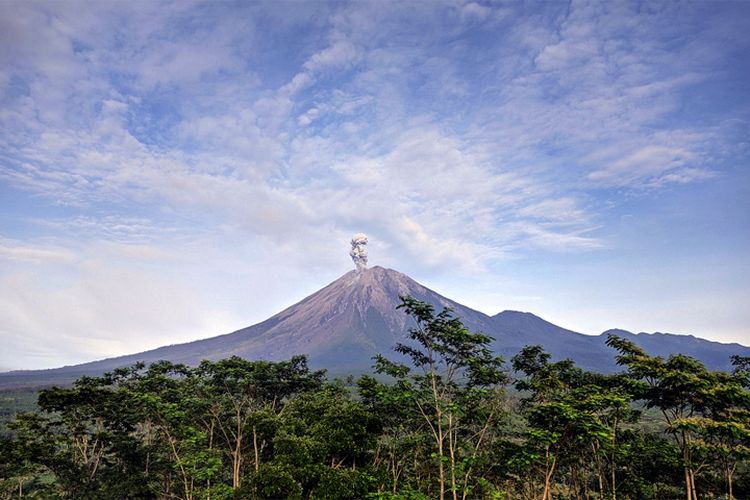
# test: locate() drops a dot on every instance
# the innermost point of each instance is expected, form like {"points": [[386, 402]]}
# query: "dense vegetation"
{"points": [[451, 421]]}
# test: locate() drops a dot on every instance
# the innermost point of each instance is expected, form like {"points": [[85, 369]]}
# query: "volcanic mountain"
{"points": [[343, 325]]}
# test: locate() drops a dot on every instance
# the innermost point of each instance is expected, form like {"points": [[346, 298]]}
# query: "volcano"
{"points": [[343, 325]]}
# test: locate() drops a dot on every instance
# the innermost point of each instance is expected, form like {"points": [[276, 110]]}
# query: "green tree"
{"points": [[21, 459], [402, 451], [650, 466], [705, 412], [454, 386], [242, 399], [325, 441], [174, 451], [722, 427], [573, 418], [85, 437]]}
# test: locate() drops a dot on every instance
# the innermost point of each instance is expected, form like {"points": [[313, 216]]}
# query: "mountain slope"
{"points": [[340, 327], [344, 324], [514, 330], [713, 354]]}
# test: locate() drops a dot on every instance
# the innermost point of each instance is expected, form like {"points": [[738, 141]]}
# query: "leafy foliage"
{"points": [[444, 423]]}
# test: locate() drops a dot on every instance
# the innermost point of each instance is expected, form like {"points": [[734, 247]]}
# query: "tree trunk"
{"points": [[452, 451], [236, 463], [599, 470], [729, 473], [441, 466], [255, 448], [693, 490], [612, 465], [686, 459], [440, 436], [237, 453], [614, 485], [547, 495]]}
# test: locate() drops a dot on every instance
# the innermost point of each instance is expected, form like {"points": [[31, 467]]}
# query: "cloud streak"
{"points": [[485, 131]]}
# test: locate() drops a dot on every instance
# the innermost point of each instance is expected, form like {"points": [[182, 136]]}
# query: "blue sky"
{"points": [[176, 170]]}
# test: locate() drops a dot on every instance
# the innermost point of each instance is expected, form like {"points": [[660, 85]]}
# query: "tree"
{"points": [[21, 459], [650, 466], [324, 444], [164, 431], [170, 429], [243, 397], [86, 437], [572, 416], [454, 386], [723, 425], [705, 412]]}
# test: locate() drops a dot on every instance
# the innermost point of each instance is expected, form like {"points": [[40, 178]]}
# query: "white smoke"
{"points": [[358, 252]]}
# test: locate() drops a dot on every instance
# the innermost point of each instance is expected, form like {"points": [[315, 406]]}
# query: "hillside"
{"points": [[343, 325]]}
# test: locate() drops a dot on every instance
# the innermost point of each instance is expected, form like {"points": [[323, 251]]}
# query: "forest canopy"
{"points": [[447, 419]]}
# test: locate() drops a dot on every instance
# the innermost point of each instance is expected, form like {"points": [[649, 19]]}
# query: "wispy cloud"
{"points": [[477, 131], [17, 251], [582, 91]]}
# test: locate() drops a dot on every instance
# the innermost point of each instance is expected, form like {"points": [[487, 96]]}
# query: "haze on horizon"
{"points": [[177, 170]]}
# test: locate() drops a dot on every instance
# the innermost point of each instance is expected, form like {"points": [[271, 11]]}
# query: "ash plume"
{"points": [[358, 252]]}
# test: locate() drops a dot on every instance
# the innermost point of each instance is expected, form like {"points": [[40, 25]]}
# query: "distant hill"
{"points": [[343, 325]]}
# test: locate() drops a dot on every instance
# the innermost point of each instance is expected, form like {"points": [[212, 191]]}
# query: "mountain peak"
{"points": [[525, 320], [344, 324], [517, 314]]}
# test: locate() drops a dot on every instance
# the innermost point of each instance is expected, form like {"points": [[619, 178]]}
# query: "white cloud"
{"points": [[562, 210], [339, 53], [473, 10], [103, 310], [557, 240], [458, 135], [645, 163], [17, 251]]}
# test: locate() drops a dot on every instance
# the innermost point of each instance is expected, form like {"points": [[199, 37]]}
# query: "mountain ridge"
{"points": [[342, 325]]}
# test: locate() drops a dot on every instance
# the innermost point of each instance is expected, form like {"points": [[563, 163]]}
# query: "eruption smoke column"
{"points": [[358, 252]]}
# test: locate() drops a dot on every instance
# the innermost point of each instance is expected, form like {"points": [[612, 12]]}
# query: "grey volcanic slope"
{"points": [[514, 329], [714, 355], [339, 327], [343, 325]]}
